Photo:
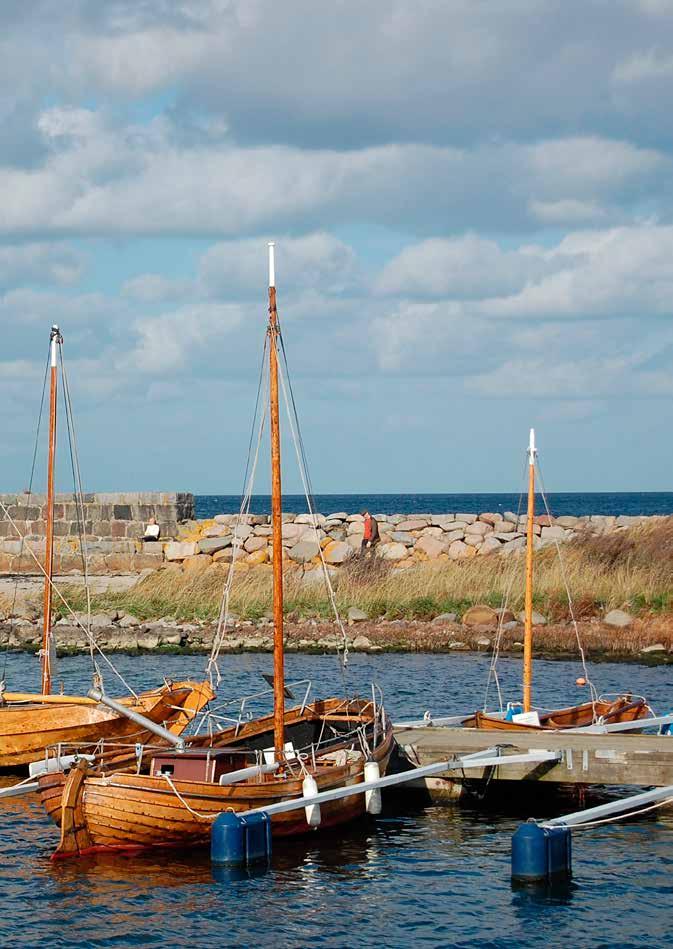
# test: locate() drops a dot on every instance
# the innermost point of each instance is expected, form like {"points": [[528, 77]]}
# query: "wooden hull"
{"points": [[27, 729], [122, 811], [623, 709]]}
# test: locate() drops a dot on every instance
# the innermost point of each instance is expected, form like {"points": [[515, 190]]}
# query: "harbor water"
{"points": [[418, 875]]}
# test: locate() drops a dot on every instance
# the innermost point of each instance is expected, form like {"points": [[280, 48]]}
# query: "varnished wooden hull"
{"points": [[27, 729], [125, 811], [575, 716]]}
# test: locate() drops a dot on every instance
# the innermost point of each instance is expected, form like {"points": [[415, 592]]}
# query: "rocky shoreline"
{"points": [[647, 640]]}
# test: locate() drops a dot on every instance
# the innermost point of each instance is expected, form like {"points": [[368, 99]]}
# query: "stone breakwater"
{"points": [[405, 540], [113, 525]]}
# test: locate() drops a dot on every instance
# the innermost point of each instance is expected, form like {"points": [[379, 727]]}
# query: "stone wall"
{"points": [[113, 524], [405, 539]]}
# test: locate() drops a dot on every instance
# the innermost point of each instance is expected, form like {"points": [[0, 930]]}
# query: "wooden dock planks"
{"points": [[643, 760]]}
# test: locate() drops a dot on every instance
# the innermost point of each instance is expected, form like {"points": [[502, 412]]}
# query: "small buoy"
{"points": [[580, 680], [373, 796], [312, 811]]}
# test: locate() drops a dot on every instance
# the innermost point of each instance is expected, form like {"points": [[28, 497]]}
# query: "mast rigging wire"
{"points": [[29, 495]]}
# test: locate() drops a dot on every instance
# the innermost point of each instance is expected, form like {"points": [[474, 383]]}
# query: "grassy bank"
{"points": [[630, 569]]}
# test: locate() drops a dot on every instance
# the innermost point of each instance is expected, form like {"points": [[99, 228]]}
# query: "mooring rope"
{"points": [[184, 802], [608, 820]]}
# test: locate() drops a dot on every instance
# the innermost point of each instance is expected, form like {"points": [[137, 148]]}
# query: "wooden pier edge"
{"points": [[618, 759]]}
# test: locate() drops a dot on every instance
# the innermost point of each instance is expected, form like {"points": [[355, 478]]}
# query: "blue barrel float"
{"points": [[541, 853], [240, 841]]}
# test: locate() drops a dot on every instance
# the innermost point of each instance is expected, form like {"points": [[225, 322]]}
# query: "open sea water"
{"points": [[416, 876], [616, 502]]}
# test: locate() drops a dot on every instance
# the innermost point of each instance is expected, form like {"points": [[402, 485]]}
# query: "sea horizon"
{"points": [[577, 503]]}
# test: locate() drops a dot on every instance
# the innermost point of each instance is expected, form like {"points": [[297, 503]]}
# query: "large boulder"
{"points": [[255, 543], [392, 551], [258, 556], [337, 552], [210, 545], [311, 519], [177, 550], [431, 546], [466, 518], [491, 519], [304, 551], [537, 618], [489, 545], [618, 618], [480, 615], [403, 537], [413, 524], [356, 615], [460, 551]]}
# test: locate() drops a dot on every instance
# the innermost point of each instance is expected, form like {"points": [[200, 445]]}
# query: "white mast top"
{"points": [[532, 450], [54, 336], [272, 265]]}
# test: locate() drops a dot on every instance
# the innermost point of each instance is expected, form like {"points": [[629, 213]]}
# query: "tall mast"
{"points": [[528, 627], [276, 525], [49, 545]]}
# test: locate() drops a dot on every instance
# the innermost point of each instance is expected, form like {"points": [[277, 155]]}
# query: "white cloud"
{"points": [[168, 342], [102, 179], [39, 263]]}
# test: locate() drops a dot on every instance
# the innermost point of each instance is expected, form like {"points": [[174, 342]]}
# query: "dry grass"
{"points": [[630, 569]]}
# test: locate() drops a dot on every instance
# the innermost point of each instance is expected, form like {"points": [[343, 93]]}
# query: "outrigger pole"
{"points": [[276, 524], [55, 339], [528, 625]]}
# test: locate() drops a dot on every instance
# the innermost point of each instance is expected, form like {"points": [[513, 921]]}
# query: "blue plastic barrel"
{"points": [[227, 840], [540, 853], [529, 853], [257, 837], [559, 851]]}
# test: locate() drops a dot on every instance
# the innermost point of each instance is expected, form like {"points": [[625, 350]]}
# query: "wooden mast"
{"points": [[528, 626], [276, 525], [49, 541]]}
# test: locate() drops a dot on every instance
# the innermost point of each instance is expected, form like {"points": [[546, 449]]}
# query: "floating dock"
{"points": [[585, 758]]}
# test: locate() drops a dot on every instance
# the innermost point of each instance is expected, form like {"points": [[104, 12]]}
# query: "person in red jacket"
{"points": [[371, 536]]}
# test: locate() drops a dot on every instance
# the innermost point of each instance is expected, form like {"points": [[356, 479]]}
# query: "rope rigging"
{"points": [[28, 495], [492, 672], [212, 667]]}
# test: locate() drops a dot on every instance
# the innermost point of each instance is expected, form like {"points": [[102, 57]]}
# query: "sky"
{"points": [[472, 207]]}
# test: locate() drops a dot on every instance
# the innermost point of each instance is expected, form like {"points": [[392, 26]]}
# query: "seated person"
{"points": [[152, 530]]}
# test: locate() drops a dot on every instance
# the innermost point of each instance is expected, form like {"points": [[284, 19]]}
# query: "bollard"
{"points": [[539, 853], [257, 838], [227, 840]]}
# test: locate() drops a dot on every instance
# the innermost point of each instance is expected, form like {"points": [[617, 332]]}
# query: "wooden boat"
{"points": [[31, 722], [270, 759], [100, 812], [621, 708]]}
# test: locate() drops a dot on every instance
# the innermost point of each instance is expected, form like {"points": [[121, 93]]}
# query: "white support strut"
{"points": [[477, 760], [624, 805]]}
